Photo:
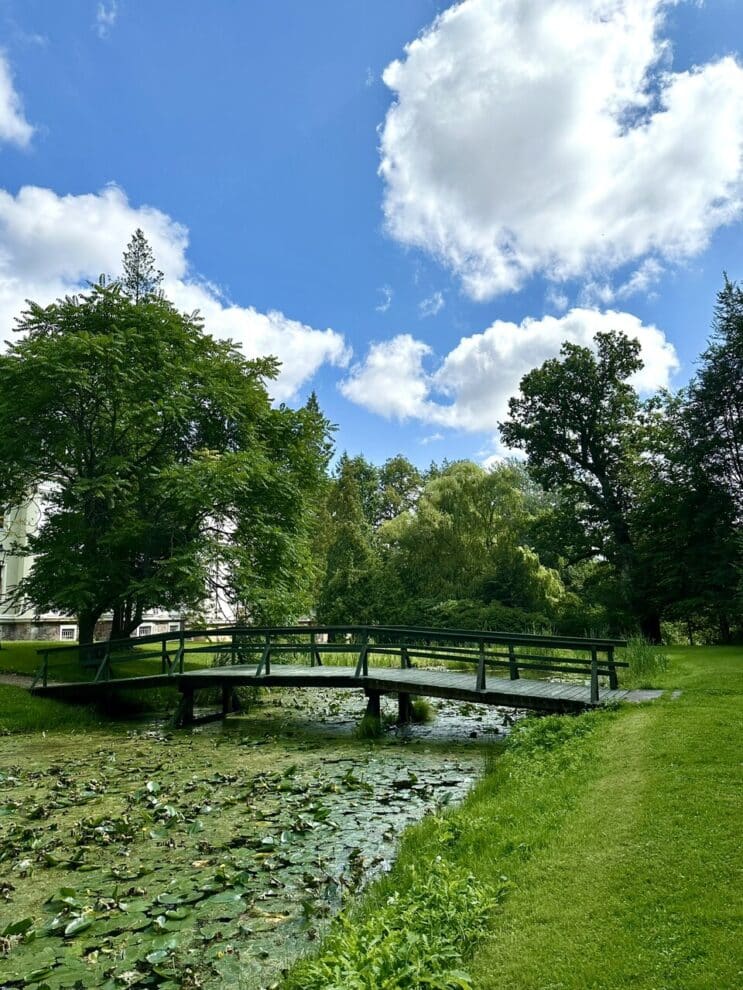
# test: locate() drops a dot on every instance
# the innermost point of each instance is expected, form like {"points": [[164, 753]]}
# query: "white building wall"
{"points": [[19, 622]]}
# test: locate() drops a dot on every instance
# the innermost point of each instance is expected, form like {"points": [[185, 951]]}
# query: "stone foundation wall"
{"points": [[31, 631], [50, 630]]}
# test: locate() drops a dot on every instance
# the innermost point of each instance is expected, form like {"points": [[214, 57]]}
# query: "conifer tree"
{"points": [[141, 279]]}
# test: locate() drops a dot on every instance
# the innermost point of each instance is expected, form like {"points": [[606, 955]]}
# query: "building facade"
{"points": [[22, 621]]}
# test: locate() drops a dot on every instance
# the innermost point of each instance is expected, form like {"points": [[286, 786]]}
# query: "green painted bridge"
{"points": [[542, 673]]}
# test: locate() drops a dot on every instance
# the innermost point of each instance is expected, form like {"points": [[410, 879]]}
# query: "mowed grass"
{"points": [[611, 844], [23, 712]]}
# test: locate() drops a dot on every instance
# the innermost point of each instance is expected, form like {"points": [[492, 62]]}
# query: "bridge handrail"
{"points": [[486, 635], [367, 640]]}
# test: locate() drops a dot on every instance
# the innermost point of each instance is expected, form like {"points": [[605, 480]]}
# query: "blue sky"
{"points": [[584, 168]]}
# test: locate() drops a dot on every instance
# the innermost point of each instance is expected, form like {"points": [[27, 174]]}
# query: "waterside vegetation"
{"points": [[604, 846]]}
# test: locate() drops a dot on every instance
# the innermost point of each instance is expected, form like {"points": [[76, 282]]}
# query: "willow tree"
{"points": [[164, 467]]}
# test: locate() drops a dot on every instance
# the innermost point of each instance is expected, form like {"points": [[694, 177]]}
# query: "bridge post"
{"points": [[481, 669], [513, 669], [594, 678], [613, 679], [184, 715], [373, 709], [315, 657], [404, 709], [362, 667]]}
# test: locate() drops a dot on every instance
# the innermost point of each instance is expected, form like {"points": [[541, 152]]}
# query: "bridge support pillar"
{"points": [[404, 709], [227, 700], [184, 715], [373, 699]]}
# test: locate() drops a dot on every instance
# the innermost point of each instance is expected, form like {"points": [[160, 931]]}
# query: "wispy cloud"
{"points": [[386, 293], [557, 300], [432, 305], [14, 128], [105, 17]]}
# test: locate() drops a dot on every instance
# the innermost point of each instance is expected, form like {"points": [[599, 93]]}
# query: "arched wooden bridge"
{"points": [[544, 673]]}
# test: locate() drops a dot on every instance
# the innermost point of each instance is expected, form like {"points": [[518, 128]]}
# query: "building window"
{"points": [[174, 627], [68, 633], [144, 631]]}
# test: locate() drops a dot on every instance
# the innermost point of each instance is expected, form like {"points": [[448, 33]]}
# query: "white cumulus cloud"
{"points": [[551, 137], [391, 380], [14, 128], [51, 245], [470, 387]]}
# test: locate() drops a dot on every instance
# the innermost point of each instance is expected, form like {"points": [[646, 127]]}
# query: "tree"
{"points": [[163, 466], [580, 423], [715, 401], [347, 592], [467, 540], [141, 279], [401, 484]]}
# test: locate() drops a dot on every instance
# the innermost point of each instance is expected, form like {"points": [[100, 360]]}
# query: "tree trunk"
{"points": [[86, 623], [724, 628], [650, 627], [126, 618]]}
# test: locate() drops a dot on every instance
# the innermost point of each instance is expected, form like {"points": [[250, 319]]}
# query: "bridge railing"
{"points": [[168, 654]]}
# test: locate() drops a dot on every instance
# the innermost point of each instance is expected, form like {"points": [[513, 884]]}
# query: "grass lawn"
{"points": [[609, 845], [21, 712]]}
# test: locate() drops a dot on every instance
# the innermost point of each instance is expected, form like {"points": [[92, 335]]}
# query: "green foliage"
{"points": [[579, 421], [579, 821], [369, 727], [163, 466], [470, 614], [714, 409], [646, 663], [141, 279], [419, 938], [422, 711], [541, 745], [346, 595]]}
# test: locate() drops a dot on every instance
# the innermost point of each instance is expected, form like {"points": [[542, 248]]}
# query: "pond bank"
{"points": [[146, 857], [598, 852]]}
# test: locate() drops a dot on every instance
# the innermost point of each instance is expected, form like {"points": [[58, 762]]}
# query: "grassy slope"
{"points": [[21, 712], [642, 883], [617, 836]]}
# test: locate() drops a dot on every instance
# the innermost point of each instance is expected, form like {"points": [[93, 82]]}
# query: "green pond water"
{"points": [[211, 857]]}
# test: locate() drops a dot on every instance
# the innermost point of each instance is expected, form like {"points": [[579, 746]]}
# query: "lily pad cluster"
{"points": [[157, 859]]}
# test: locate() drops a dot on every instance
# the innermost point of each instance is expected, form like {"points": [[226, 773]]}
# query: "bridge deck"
{"points": [[541, 695]]}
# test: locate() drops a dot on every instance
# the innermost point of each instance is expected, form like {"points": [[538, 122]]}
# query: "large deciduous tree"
{"points": [[581, 425], [163, 465]]}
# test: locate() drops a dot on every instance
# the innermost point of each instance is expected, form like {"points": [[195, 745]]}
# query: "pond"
{"points": [[211, 857]]}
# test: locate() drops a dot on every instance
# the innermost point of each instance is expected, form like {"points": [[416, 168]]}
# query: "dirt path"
{"points": [[16, 680]]}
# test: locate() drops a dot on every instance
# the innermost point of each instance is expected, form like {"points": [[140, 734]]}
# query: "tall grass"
{"points": [[646, 663]]}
